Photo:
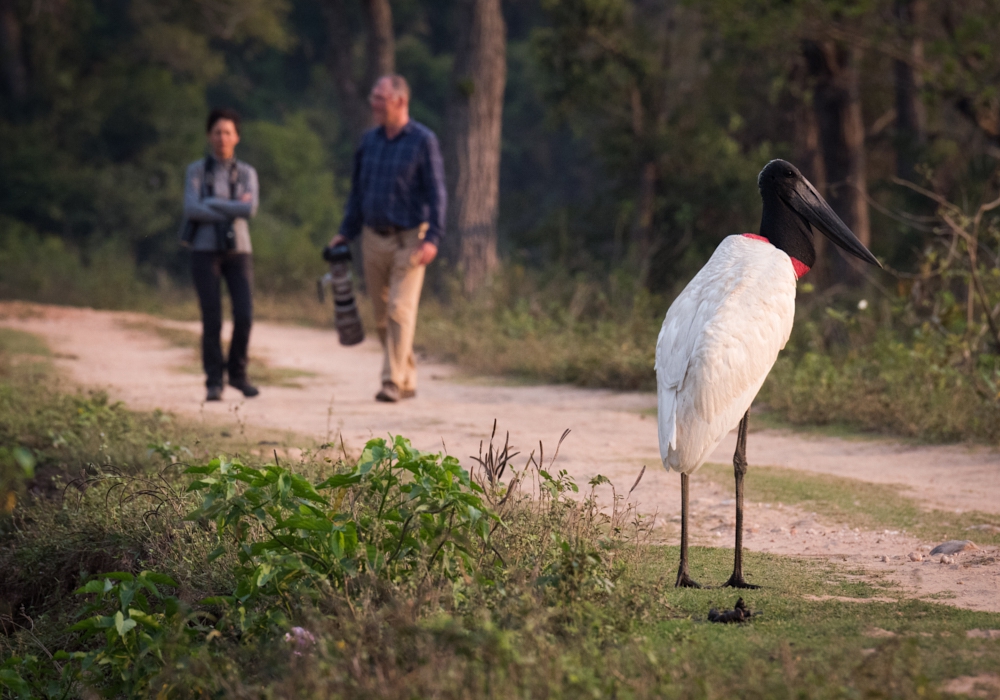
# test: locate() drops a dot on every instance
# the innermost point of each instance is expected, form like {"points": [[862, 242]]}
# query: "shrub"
{"points": [[395, 514]]}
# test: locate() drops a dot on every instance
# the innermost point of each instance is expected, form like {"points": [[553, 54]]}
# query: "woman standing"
{"points": [[220, 195]]}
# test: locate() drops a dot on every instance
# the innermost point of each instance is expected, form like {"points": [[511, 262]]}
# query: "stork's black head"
{"points": [[793, 208]]}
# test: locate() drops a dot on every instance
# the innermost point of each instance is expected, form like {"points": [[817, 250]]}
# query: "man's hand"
{"points": [[247, 197], [425, 254], [337, 240]]}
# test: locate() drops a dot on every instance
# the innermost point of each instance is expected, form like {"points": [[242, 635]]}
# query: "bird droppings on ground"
{"points": [[739, 613], [954, 547]]}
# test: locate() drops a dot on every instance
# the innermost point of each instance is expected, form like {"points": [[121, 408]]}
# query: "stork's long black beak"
{"points": [[810, 205]]}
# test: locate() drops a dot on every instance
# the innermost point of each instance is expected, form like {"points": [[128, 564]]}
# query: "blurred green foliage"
{"points": [[113, 97]]}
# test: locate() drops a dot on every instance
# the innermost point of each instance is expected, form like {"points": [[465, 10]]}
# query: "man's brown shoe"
{"points": [[389, 393]]}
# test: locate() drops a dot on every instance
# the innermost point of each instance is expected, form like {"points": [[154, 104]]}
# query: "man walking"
{"points": [[220, 195], [397, 206]]}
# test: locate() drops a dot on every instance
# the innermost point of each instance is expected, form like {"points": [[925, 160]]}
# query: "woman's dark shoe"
{"points": [[389, 393], [248, 389], [214, 393]]}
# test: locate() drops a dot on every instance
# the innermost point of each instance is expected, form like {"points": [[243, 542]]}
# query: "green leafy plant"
{"points": [[137, 621], [18, 674], [397, 513]]}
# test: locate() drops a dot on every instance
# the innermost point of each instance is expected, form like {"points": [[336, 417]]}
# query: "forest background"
{"points": [[597, 152]]}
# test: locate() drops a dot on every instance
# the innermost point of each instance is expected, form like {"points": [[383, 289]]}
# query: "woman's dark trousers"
{"points": [[208, 269]]}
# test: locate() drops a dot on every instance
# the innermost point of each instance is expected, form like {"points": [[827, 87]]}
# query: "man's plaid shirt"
{"points": [[397, 182]]}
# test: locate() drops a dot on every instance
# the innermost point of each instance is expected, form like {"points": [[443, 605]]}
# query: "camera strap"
{"points": [[225, 237], [208, 184]]}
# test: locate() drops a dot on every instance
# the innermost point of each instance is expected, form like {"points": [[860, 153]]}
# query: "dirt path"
{"points": [[613, 434]]}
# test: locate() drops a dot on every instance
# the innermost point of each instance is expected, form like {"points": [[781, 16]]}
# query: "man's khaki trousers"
{"points": [[394, 282]]}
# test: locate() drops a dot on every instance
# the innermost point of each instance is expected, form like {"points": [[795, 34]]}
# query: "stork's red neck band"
{"points": [[800, 267]]}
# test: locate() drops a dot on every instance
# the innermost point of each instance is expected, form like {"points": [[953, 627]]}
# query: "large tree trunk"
{"points": [[380, 58], [475, 111], [15, 74], [381, 48], [910, 114], [833, 70]]}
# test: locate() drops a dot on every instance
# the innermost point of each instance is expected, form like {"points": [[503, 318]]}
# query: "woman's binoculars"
{"points": [[345, 311]]}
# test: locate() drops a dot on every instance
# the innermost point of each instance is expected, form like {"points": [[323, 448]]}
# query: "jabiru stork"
{"points": [[721, 336]]}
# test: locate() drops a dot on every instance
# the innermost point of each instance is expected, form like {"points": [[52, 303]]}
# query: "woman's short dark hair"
{"points": [[223, 113]]}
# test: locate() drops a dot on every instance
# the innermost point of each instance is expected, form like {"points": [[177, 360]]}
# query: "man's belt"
{"points": [[387, 230]]}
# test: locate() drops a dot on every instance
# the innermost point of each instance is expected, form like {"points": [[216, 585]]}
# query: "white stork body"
{"points": [[723, 333], [718, 342]]}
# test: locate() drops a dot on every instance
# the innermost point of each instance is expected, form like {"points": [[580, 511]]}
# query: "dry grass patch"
{"points": [[261, 371]]}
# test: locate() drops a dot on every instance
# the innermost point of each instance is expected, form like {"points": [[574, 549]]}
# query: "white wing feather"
{"points": [[718, 342]]}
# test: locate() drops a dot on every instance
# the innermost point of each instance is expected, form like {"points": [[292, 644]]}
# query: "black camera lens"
{"points": [[337, 253]]}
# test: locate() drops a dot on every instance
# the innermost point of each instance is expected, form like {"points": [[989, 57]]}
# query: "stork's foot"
{"points": [[736, 581], [685, 581]]}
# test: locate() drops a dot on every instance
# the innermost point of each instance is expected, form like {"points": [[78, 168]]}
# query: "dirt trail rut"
{"points": [[613, 434]]}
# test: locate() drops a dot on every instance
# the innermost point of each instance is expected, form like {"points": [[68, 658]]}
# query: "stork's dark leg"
{"points": [[740, 469], [683, 579]]}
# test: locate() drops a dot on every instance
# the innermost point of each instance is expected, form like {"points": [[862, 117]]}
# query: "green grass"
{"points": [[15, 342], [859, 504], [652, 641], [816, 648], [554, 328], [171, 335], [773, 420]]}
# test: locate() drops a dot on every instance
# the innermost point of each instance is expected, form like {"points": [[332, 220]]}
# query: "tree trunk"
{"points": [[856, 191], [809, 158], [642, 241], [381, 47], [475, 112], [642, 227], [15, 74], [380, 58], [833, 71], [910, 114]]}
